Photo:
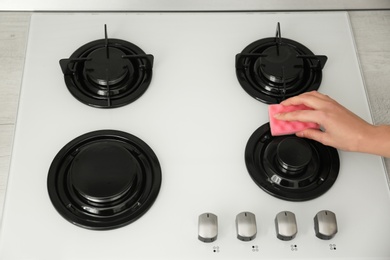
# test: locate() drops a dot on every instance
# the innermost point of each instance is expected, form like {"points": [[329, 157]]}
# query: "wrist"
{"points": [[375, 140]]}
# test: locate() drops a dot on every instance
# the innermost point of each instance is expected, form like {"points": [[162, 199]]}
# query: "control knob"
{"points": [[286, 225], [207, 227], [325, 224]]}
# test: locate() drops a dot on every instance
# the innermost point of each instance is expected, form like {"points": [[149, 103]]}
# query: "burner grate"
{"points": [[273, 69], [107, 73]]}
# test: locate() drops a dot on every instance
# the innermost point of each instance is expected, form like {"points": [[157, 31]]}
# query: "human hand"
{"points": [[340, 127]]}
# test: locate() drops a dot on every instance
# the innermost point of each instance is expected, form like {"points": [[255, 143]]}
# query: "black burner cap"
{"points": [[293, 154], [106, 66], [281, 64], [103, 172]]}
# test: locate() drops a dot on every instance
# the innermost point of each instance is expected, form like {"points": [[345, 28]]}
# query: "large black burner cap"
{"points": [[289, 167], [104, 180], [103, 172]]}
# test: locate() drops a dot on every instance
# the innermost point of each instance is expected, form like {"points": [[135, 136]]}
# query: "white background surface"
{"points": [[236, 123]]}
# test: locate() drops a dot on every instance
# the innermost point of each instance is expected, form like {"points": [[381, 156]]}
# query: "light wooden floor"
{"points": [[372, 34]]}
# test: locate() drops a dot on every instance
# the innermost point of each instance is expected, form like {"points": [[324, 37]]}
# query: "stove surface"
{"points": [[197, 119]]}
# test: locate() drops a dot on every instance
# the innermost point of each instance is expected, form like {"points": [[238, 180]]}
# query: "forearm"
{"points": [[376, 141]]}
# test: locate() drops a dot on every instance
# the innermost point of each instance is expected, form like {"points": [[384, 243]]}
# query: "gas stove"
{"points": [[186, 131]]}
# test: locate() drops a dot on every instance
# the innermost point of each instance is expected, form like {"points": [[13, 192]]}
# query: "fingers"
{"points": [[319, 104], [311, 99], [301, 115]]}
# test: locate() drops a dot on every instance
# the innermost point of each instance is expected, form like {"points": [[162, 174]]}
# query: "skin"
{"points": [[341, 128]]}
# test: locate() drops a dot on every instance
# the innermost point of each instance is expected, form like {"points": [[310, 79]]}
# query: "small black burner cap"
{"points": [[280, 64], [106, 67]]}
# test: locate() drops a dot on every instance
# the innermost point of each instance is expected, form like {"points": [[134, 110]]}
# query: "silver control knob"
{"points": [[207, 227], [325, 224], [286, 225], [246, 226]]}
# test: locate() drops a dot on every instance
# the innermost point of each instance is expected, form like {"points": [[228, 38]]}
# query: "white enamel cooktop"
{"points": [[197, 119]]}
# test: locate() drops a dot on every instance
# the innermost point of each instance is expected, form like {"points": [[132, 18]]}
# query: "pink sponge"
{"points": [[279, 127]]}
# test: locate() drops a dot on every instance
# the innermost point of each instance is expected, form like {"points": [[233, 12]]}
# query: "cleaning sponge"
{"points": [[279, 127]]}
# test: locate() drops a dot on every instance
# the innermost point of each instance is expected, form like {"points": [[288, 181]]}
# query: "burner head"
{"points": [[289, 167], [273, 69], [103, 172], [104, 180], [107, 73], [106, 67], [293, 155], [280, 64]]}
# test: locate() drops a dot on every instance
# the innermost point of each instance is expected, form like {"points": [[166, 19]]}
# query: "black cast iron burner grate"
{"points": [[289, 167], [107, 73], [273, 69], [104, 180]]}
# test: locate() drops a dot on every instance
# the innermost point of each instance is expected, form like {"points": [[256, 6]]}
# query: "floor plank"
{"points": [[13, 38]]}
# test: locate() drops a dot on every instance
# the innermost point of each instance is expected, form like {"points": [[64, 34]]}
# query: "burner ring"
{"points": [[99, 197], [310, 181], [109, 85], [266, 85]]}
